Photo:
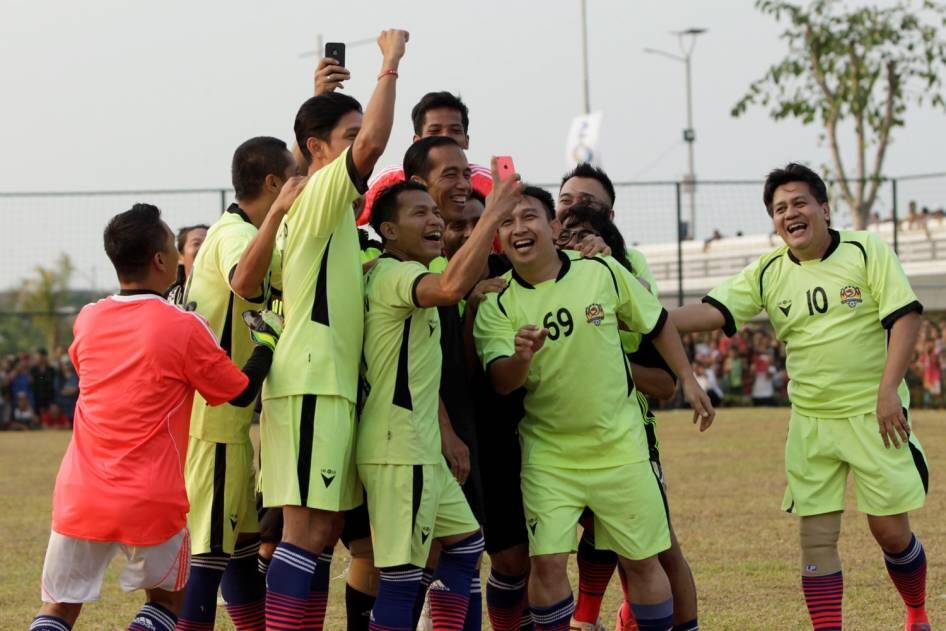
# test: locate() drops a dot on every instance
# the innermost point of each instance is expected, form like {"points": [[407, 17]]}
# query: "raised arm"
{"points": [[466, 267], [379, 115], [254, 263]]}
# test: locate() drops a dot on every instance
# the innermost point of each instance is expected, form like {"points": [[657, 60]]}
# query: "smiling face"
{"points": [[444, 121], [341, 137], [459, 229], [527, 236], [574, 232], [416, 234], [586, 191], [448, 180], [800, 220]]}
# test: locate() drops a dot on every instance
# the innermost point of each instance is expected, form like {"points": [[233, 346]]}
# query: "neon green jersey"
{"points": [[832, 315], [400, 421], [208, 287], [581, 407], [322, 289]]}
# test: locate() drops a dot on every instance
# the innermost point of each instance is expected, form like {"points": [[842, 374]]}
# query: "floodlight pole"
{"points": [[689, 134], [584, 55]]}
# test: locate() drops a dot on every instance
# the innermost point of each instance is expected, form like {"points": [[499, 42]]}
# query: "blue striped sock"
{"points": [[153, 617], [288, 584], [397, 590], [45, 622], [657, 617], [554, 618], [474, 613]]}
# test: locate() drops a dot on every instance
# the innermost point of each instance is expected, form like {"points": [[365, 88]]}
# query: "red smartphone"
{"points": [[505, 166]]}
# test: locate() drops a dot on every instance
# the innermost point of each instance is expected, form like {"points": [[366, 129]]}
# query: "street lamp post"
{"points": [[584, 55], [689, 134], [320, 46]]}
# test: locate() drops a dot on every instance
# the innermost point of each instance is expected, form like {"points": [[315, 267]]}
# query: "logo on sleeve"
{"points": [[851, 296], [595, 313], [785, 306], [328, 476]]}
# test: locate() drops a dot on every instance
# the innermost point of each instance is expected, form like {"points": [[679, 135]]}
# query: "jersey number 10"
{"points": [[817, 300]]}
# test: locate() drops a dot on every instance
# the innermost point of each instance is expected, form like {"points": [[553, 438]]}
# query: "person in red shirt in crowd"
{"points": [[53, 418], [120, 487]]}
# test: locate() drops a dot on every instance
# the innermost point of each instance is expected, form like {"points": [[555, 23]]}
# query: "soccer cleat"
{"points": [[576, 625], [265, 327]]}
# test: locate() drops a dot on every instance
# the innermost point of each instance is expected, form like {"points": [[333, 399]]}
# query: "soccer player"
{"points": [[653, 377], [413, 498], [230, 277], [587, 449], [825, 290], [436, 114], [308, 420], [189, 240], [120, 487]]}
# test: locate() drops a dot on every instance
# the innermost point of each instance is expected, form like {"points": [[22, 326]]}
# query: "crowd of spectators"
{"points": [[37, 391], [749, 368]]}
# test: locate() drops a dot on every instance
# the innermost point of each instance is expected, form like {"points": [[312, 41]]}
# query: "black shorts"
{"points": [[356, 524], [500, 465]]}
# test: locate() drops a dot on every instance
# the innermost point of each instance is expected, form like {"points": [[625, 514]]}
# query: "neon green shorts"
{"points": [[820, 452], [630, 517], [411, 505], [307, 453], [221, 487]]}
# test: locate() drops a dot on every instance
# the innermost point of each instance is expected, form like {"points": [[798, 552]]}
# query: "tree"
{"points": [[862, 66], [46, 295]]}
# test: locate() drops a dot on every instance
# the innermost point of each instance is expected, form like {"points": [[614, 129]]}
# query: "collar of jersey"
{"points": [[236, 210], [566, 265], [835, 241], [127, 295]]}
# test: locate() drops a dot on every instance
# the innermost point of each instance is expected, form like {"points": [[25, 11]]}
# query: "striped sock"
{"points": [[657, 617], [525, 622], [45, 622], [394, 606], [262, 564], [692, 625], [200, 594], [318, 596], [554, 618], [426, 578], [474, 613], [450, 592], [907, 570], [595, 568], [153, 617], [288, 584], [244, 588], [506, 601], [823, 596]]}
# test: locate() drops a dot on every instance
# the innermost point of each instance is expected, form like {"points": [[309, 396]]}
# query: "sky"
{"points": [[120, 95]]}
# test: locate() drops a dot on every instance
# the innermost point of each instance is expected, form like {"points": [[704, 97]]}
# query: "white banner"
{"points": [[582, 143]]}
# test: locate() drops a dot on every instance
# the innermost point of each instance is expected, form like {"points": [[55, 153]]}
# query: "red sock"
{"points": [[823, 596], [595, 568], [625, 616], [907, 570]]}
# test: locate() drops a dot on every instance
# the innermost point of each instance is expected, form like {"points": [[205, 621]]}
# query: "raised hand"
{"points": [[329, 76], [392, 43], [505, 194]]}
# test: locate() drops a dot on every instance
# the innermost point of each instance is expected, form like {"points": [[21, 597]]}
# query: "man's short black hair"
{"points": [[253, 161], [415, 159], [183, 232], [132, 238], [386, 204], [543, 196], [437, 100], [478, 196], [319, 115], [585, 169], [794, 172]]}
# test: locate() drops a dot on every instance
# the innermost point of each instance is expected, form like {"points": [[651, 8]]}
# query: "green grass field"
{"points": [[725, 488]]}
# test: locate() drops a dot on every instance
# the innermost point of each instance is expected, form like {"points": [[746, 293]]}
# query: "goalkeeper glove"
{"points": [[265, 327]]}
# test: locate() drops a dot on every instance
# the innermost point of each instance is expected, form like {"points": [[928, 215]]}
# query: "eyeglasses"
{"points": [[568, 237], [567, 201]]}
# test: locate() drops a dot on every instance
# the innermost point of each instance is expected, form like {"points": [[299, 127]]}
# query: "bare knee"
{"points": [[892, 532], [172, 601], [67, 611], [513, 561], [363, 576], [309, 528]]}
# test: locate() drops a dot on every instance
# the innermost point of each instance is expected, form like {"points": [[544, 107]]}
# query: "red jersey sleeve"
{"points": [[208, 368]]}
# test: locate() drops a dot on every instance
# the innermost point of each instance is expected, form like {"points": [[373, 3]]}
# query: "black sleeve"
{"points": [[256, 368], [361, 184], [647, 355]]}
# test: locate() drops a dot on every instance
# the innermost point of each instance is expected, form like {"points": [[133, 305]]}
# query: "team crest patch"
{"points": [[851, 296], [595, 313]]}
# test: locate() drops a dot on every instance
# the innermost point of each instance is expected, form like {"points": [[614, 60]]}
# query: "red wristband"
{"points": [[393, 73]]}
